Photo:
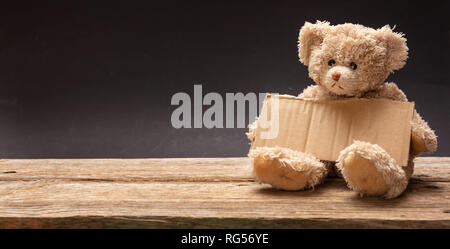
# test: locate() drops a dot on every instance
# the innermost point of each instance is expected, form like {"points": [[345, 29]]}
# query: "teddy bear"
{"points": [[347, 61]]}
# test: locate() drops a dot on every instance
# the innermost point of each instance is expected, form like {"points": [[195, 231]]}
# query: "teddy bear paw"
{"points": [[364, 176], [370, 170], [286, 169]]}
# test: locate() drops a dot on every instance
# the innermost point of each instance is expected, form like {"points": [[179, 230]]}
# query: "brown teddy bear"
{"points": [[347, 61]]}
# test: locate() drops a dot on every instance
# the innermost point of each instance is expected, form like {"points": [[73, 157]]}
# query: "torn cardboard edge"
{"points": [[324, 128]]}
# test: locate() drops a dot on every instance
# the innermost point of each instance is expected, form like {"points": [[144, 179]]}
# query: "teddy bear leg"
{"points": [[370, 170], [287, 169]]}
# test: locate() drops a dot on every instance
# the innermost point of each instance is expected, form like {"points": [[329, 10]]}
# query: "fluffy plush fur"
{"points": [[347, 61]]}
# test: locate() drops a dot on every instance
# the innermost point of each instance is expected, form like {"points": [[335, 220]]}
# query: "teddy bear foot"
{"points": [[370, 170], [286, 169]]}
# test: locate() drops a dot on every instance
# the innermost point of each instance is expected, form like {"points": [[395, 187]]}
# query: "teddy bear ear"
{"points": [[310, 38], [397, 50]]}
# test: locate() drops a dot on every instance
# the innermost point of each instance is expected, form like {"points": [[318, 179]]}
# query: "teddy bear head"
{"points": [[350, 59]]}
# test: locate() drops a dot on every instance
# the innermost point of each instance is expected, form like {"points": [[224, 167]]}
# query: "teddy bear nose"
{"points": [[336, 76]]}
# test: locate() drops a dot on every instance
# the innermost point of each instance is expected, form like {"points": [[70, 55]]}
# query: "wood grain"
{"points": [[203, 193]]}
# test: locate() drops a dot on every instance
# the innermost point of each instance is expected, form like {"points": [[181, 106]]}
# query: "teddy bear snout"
{"points": [[336, 76]]}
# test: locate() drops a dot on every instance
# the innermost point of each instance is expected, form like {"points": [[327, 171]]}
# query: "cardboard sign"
{"points": [[324, 127]]}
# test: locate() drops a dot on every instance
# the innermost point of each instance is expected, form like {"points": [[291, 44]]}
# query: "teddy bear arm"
{"points": [[423, 138], [251, 134]]}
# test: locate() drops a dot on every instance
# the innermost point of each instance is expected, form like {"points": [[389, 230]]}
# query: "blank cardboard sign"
{"points": [[324, 127]]}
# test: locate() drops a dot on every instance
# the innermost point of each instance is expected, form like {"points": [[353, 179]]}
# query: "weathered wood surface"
{"points": [[203, 193]]}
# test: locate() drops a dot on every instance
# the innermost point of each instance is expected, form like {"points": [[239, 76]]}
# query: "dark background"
{"points": [[95, 79]]}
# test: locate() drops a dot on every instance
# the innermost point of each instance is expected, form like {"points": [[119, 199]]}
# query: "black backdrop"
{"points": [[81, 79]]}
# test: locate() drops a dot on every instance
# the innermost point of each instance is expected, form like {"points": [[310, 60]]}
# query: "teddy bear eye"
{"points": [[353, 65], [331, 62]]}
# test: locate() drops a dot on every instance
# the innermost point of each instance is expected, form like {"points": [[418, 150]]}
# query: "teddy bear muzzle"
{"points": [[335, 76]]}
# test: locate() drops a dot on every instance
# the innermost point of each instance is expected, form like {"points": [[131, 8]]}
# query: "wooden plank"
{"points": [[203, 193], [168, 169]]}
